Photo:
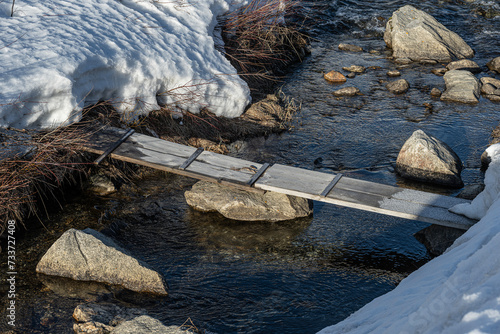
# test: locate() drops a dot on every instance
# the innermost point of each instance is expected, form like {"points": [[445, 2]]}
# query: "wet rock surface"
{"points": [[437, 239], [398, 87]]}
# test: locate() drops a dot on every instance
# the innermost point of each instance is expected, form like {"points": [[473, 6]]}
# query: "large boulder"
{"points": [[427, 159], [243, 205], [89, 255], [414, 34], [461, 86]]}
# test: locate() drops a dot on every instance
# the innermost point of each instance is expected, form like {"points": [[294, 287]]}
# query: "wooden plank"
{"points": [[354, 193], [304, 183], [193, 156]]}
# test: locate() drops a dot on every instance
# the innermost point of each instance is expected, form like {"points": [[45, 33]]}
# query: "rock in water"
{"points": [[243, 205], [494, 65], [414, 34], [89, 255], [464, 64], [398, 87], [146, 324], [427, 159], [350, 47], [334, 76], [347, 91], [461, 86]]}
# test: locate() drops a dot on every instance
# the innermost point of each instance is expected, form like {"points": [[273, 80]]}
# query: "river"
{"points": [[303, 275]]}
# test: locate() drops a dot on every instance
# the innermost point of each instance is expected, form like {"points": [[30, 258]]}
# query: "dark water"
{"points": [[299, 276]]}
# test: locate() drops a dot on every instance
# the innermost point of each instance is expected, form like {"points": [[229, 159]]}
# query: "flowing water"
{"points": [[303, 275]]}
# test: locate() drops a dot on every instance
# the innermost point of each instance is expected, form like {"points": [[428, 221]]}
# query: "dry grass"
{"points": [[260, 45], [28, 178]]}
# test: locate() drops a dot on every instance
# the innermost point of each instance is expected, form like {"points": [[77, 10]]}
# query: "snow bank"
{"points": [[457, 292], [57, 56]]}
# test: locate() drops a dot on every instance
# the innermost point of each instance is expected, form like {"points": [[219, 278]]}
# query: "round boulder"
{"points": [[427, 159], [414, 34], [243, 205]]}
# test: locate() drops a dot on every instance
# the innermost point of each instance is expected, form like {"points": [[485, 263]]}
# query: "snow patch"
{"points": [[457, 292], [57, 56]]}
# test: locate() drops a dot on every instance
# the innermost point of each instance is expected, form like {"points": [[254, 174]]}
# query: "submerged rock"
{"points": [[147, 324], [350, 47], [393, 73], [355, 69], [461, 86], [427, 159], [89, 255], [347, 91], [398, 87], [414, 34], [491, 88], [243, 205], [438, 238], [101, 318]]}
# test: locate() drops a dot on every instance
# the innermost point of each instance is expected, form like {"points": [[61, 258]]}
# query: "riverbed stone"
{"points": [[247, 206], [350, 47], [427, 159], [494, 65], [437, 239], [89, 255], [464, 64], [398, 87], [414, 34], [106, 314], [461, 86], [355, 69], [436, 92], [393, 73], [335, 76], [347, 91], [147, 324], [439, 71], [100, 185]]}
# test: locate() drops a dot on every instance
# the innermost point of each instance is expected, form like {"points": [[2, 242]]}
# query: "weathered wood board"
{"points": [[348, 192]]}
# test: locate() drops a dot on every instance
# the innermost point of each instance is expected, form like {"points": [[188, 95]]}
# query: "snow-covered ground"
{"points": [[57, 56], [457, 292]]}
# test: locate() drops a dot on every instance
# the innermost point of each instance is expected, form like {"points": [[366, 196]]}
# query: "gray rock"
{"points": [[488, 89], [438, 238], [355, 69], [493, 98], [435, 92], [427, 159], [393, 73], [403, 61], [464, 64], [414, 34], [91, 256], [398, 87], [92, 328], [242, 205], [428, 61], [461, 86], [108, 314], [494, 64], [100, 185], [146, 324], [346, 91], [351, 75], [490, 81], [350, 47]]}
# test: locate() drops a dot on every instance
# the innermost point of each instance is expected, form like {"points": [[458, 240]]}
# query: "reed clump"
{"points": [[262, 40]]}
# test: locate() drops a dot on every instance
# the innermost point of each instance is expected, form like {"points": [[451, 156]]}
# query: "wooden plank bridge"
{"points": [[330, 188]]}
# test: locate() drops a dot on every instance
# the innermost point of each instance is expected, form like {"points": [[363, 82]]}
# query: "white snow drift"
{"points": [[57, 56], [457, 292]]}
